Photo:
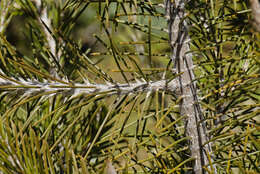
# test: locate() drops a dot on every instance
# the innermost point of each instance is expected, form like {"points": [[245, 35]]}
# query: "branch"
{"points": [[255, 6], [30, 87], [5, 16], [183, 64], [45, 22]]}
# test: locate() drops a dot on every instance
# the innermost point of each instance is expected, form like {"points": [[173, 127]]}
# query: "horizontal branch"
{"points": [[30, 87]]}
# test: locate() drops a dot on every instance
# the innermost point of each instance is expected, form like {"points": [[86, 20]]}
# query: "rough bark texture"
{"points": [[4, 16], [31, 87], [183, 63], [255, 6]]}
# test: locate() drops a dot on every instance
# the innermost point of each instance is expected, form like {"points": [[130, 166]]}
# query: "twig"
{"points": [[4, 16], [45, 21], [31, 87], [255, 6]]}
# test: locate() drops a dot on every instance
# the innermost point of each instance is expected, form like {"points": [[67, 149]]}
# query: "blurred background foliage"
{"points": [[112, 42]]}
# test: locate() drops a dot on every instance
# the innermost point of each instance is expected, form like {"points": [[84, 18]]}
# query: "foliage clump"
{"points": [[91, 87]]}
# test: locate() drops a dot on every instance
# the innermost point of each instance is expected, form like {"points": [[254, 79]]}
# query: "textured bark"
{"points": [[46, 23], [5, 15], [255, 6], [32, 87], [183, 63]]}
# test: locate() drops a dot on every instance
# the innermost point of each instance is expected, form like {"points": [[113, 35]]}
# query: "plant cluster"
{"points": [[96, 86]]}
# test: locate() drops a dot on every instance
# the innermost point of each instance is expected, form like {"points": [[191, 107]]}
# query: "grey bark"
{"points": [[31, 87], [183, 63], [255, 6]]}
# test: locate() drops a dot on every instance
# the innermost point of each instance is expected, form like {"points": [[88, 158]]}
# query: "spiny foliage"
{"points": [[226, 51], [65, 108]]}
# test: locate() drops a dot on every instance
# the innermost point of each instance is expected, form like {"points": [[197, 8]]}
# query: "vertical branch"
{"points": [[4, 14], [183, 63], [255, 6], [45, 21]]}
